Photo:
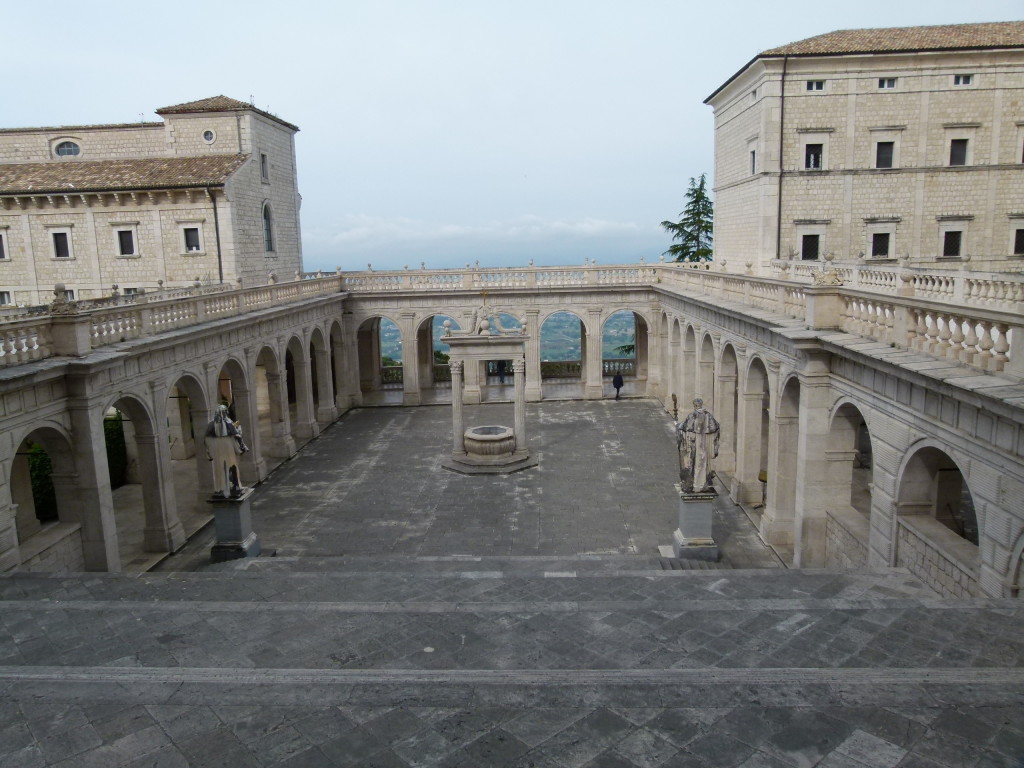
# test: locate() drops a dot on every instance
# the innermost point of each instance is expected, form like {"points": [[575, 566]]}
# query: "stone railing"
{"points": [[612, 365], [482, 279], [74, 328]]}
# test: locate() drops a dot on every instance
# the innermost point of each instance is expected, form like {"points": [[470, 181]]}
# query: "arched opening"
{"points": [[563, 339], [706, 372], [673, 366], [188, 413], [298, 375], [435, 376], [848, 485], [321, 380], [780, 506], [725, 408], [275, 440], [687, 370], [379, 343], [938, 531], [46, 516], [498, 373], [624, 350], [234, 392], [753, 430], [145, 508]]}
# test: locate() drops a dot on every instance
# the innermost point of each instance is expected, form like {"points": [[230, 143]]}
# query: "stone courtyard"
{"points": [[418, 617]]}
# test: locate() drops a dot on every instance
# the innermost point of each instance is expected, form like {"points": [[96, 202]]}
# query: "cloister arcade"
{"points": [[840, 461]]}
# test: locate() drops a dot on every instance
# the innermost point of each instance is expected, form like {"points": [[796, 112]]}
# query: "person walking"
{"points": [[617, 383]]}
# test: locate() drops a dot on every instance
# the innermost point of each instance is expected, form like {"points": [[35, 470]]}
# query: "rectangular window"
{"points": [[753, 161], [962, 79], [884, 153], [1018, 242], [958, 152], [192, 239], [3, 245], [815, 85], [809, 247], [69, 294], [264, 167], [951, 241], [61, 245], [125, 242], [887, 83], [880, 245], [5, 298], [813, 154], [131, 291]]}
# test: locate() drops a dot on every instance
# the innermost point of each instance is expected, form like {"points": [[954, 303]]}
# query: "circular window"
{"points": [[209, 136], [67, 149]]}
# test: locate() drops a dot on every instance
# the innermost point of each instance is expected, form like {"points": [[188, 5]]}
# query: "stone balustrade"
{"points": [[967, 317]]}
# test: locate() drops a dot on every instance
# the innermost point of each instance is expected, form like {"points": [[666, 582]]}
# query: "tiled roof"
{"points": [[113, 175], [70, 128], [1003, 34], [219, 104]]}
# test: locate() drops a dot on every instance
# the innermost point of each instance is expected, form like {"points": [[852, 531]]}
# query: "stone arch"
{"points": [[272, 417], [779, 511], [375, 380], [563, 369], [753, 432], [237, 391], [704, 384], [49, 535], [726, 407], [144, 508], [188, 411], [632, 365], [321, 380], [938, 528], [432, 358], [298, 378], [848, 485]]}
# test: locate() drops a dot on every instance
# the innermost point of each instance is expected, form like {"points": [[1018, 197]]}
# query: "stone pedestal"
{"points": [[693, 538], [233, 521]]}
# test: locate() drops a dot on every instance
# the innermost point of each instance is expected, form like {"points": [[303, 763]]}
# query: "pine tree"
{"points": [[695, 228]]}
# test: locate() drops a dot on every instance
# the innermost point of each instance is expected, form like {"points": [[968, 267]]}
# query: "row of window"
{"points": [[880, 244], [885, 151], [889, 83], [125, 241]]}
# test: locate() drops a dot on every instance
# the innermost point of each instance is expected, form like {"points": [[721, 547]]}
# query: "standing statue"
{"points": [[697, 441], [224, 444]]}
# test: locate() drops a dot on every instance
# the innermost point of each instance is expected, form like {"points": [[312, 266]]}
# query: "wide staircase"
{"points": [[578, 662]]}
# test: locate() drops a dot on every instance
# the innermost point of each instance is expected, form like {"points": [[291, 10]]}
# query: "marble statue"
{"points": [[697, 440], [224, 445]]}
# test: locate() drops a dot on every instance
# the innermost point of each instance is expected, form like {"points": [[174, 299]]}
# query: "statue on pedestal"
{"points": [[224, 444], [697, 439]]}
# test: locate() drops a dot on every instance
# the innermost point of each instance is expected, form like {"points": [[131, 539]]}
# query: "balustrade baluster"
{"points": [[1001, 347], [985, 344], [956, 339], [944, 332]]}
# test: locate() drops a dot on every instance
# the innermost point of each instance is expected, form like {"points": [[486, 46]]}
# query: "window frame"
{"points": [[888, 244], [5, 250], [196, 224], [963, 80], [947, 239], [66, 231], [815, 86], [1017, 240], [267, 216], [887, 83], [955, 143], [59, 143], [891, 143], [264, 167], [132, 228], [10, 299], [809, 154], [804, 239]]}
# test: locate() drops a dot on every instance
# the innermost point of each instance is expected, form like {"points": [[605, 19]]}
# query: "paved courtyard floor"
{"points": [[415, 617]]}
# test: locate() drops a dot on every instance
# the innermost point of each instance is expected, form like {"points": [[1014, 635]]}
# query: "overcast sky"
{"points": [[445, 131]]}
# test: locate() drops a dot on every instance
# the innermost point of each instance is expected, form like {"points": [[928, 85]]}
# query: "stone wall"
{"points": [[57, 548], [846, 539], [937, 556]]}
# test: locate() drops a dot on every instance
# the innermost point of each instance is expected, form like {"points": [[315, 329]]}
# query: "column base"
{"points": [[693, 538], [468, 465]]}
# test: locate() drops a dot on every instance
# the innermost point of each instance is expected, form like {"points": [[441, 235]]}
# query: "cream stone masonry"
{"points": [[860, 137], [189, 222]]}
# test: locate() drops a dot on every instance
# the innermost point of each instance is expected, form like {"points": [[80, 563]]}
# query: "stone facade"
{"points": [[863, 142], [137, 214]]}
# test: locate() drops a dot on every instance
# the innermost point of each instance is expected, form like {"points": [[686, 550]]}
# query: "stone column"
{"points": [[282, 443], [163, 531], [671, 364], [533, 378], [745, 486], [204, 477], [519, 376], [777, 520], [594, 388], [471, 393], [655, 350], [725, 409], [251, 464], [822, 474], [458, 421]]}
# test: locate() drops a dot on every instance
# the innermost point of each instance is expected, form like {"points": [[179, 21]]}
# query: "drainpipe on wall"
{"points": [[782, 129], [216, 233]]}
